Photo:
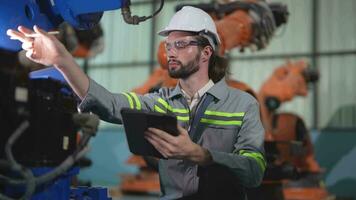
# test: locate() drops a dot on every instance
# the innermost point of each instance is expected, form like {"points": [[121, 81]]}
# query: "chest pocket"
{"points": [[220, 129], [220, 138]]}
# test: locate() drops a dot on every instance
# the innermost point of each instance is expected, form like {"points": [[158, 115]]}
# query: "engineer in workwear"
{"points": [[219, 150]]}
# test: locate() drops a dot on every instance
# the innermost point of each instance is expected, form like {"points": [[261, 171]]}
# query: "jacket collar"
{"points": [[176, 92], [218, 90]]}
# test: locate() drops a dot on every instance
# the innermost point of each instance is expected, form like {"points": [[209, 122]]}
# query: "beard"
{"points": [[185, 70]]}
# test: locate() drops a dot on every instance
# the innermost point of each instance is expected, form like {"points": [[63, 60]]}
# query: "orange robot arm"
{"points": [[249, 23], [235, 30]]}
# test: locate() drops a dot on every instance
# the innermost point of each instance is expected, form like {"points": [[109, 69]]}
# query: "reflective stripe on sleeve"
{"points": [[256, 156], [129, 98], [137, 101], [158, 109]]}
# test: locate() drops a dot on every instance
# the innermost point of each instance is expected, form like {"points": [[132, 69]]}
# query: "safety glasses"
{"points": [[180, 44]]}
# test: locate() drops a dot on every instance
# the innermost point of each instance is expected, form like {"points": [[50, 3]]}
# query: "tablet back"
{"points": [[136, 123]]}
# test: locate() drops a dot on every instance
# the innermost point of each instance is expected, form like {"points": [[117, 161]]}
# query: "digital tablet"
{"points": [[136, 122]]}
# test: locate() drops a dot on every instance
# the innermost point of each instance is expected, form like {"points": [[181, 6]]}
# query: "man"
{"points": [[219, 149]]}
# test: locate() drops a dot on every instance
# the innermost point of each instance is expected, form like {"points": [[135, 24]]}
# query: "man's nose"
{"points": [[171, 52], [171, 57]]}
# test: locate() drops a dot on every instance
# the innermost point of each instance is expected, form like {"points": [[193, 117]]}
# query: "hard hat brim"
{"points": [[165, 33]]}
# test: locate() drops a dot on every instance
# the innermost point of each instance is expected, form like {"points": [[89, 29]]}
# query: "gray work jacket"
{"points": [[233, 132]]}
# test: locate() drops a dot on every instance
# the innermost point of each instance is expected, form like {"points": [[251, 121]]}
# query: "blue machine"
{"points": [[48, 14], [46, 73], [89, 193], [59, 189]]}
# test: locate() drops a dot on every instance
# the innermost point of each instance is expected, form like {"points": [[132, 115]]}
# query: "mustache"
{"points": [[174, 61]]}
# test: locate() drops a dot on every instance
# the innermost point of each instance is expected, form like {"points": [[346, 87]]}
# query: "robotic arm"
{"points": [[49, 14], [245, 23]]}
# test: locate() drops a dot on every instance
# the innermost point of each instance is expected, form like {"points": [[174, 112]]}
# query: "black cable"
{"points": [[126, 14], [12, 139], [157, 11], [89, 124], [64, 166], [15, 166]]}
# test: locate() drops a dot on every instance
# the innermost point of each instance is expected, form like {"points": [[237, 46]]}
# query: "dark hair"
{"points": [[217, 65]]}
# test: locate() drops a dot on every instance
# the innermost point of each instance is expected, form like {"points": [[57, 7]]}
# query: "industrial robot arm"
{"points": [[245, 23], [49, 14]]}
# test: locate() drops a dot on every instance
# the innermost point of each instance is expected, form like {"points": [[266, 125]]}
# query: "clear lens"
{"points": [[180, 44]]}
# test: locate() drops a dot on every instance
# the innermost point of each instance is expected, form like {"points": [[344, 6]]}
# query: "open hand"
{"points": [[40, 46]]}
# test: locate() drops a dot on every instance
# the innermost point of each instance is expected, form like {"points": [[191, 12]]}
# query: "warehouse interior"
{"points": [[314, 40]]}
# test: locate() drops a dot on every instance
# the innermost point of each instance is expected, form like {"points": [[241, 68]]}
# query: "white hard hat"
{"points": [[193, 20]]}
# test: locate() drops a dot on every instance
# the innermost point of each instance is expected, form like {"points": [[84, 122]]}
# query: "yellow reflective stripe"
{"points": [[158, 109], [183, 118], [257, 156], [260, 162], [163, 102], [168, 107], [129, 99], [138, 103], [224, 114], [177, 110], [220, 122]]}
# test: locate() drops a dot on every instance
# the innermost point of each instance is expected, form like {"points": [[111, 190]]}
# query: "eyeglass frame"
{"points": [[177, 47]]}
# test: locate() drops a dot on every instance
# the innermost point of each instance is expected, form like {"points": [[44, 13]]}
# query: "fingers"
{"points": [[29, 54], [39, 31], [16, 35], [158, 140], [27, 42], [158, 145], [27, 32], [27, 46], [22, 35], [161, 134], [181, 130], [26, 35]]}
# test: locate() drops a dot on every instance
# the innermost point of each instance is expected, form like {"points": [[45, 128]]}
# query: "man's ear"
{"points": [[206, 53]]}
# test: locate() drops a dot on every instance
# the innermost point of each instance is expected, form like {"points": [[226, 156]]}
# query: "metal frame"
{"points": [[314, 60]]}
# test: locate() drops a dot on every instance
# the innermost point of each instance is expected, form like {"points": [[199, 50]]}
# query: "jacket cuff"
{"points": [[89, 99]]}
